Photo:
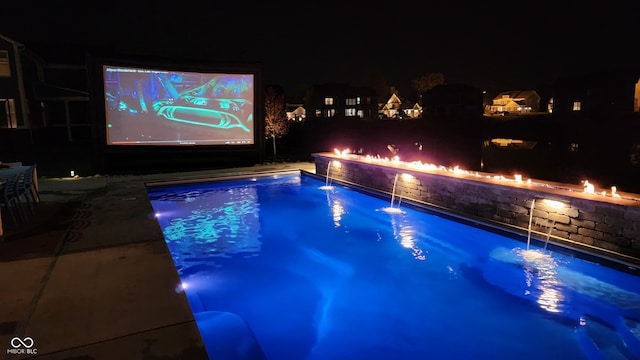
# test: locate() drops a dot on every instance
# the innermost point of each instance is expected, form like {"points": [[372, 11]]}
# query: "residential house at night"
{"points": [[14, 111], [37, 94], [341, 101], [295, 112], [598, 94], [394, 108], [515, 102]]}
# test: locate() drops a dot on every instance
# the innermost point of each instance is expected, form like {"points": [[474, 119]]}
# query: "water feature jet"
{"points": [[391, 208], [553, 225], [533, 203], [393, 190], [327, 183]]}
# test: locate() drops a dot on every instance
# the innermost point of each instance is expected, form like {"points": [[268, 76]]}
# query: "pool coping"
{"points": [[206, 179]]}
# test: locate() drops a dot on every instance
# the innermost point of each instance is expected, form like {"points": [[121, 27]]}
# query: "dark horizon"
{"points": [[297, 47]]}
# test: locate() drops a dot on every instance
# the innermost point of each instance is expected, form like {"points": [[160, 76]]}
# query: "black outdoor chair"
{"points": [[10, 200], [27, 189]]}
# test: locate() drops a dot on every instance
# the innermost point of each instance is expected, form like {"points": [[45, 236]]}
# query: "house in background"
{"points": [[341, 101], [391, 108], [599, 93], [415, 111], [14, 112], [295, 112], [394, 109], [515, 102], [550, 106], [37, 94]]}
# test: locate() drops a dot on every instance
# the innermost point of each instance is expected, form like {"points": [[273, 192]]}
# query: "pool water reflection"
{"points": [[315, 273]]}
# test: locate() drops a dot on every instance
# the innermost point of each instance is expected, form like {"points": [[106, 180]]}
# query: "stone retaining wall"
{"points": [[599, 223]]}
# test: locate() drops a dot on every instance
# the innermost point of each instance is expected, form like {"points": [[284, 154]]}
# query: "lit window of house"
{"points": [[328, 101], [576, 106], [350, 112], [361, 114], [358, 100], [350, 101], [329, 112], [8, 114], [5, 68]]}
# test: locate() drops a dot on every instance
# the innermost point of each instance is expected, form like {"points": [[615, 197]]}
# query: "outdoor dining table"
{"points": [[9, 172]]}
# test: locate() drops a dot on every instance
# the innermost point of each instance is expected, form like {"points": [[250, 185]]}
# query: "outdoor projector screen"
{"points": [[173, 108]]}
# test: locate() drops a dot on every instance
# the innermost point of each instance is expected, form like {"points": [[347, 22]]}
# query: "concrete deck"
{"points": [[91, 277]]}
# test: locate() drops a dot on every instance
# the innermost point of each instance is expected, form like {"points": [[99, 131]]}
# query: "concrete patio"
{"points": [[90, 277]]}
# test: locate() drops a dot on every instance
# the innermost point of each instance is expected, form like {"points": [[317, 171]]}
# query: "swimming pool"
{"points": [[278, 267]]}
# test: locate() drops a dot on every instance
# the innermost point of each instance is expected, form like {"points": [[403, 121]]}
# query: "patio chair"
{"points": [[27, 188], [10, 200]]}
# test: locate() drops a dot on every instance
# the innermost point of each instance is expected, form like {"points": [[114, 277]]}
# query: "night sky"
{"points": [[498, 46]]}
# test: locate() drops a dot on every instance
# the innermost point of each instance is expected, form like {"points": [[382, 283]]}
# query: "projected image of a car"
{"points": [[153, 107]]}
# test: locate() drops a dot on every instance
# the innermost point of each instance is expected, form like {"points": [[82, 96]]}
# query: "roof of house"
{"points": [[517, 94], [394, 99], [297, 108], [293, 105]]}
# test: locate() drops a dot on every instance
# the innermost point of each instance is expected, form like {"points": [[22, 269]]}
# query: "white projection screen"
{"points": [[177, 108]]}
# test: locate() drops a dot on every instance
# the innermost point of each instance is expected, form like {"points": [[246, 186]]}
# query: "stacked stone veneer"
{"points": [[596, 222]]}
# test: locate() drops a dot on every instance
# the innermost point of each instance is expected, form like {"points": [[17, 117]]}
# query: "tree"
{"points": [[427, 82], [276, 122]]}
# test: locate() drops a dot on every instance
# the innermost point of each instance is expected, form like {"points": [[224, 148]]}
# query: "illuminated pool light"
{"points": [[181, 287], [407, 177], [554, 203]]}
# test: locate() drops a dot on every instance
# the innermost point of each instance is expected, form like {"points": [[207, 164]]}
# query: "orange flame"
{"points": [[420, 166], [588, 187]]}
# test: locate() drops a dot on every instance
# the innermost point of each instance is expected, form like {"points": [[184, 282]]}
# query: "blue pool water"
{"points": [[279, 268]]}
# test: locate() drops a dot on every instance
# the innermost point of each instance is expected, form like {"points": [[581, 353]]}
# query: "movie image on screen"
{"points": [[157, 107]]}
